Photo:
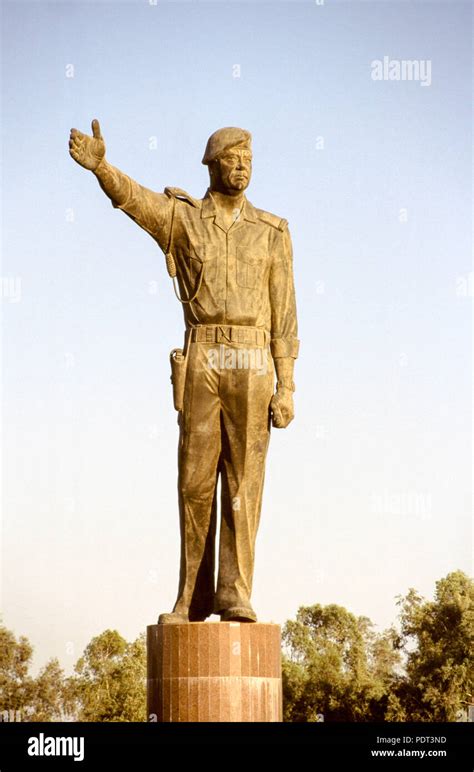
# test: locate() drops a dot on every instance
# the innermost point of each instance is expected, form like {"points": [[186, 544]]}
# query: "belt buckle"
{"points": [[224, 334]]}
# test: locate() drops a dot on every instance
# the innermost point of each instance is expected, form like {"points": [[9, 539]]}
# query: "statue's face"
{"points": [[231, 172]]}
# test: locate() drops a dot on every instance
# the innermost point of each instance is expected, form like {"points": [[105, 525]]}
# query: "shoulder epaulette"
{"points": [[182, 195], [272, 219]]}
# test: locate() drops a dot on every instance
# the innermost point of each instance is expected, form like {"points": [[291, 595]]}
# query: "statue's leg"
{"points": [[245, 398], [198, 457], [202, 603]]}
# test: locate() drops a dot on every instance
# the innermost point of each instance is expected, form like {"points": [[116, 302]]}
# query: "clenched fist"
{"points": [[282, 408], [87, 151]]}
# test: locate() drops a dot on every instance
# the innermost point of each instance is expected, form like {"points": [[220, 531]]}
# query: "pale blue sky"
{"points": [[370, 490]]}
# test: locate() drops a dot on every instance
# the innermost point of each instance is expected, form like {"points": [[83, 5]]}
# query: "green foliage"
{"points": [[109, 684], [335, 667], [111, 679], [438, 638], [15, 685]]}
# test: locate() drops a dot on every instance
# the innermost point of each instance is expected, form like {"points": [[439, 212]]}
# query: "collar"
{"points": [[209, 208]]}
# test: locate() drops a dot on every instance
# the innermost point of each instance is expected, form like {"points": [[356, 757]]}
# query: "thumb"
{"points": [[95, 125]]}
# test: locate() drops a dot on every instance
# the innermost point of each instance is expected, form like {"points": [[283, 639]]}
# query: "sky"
{"points": [[369, 491]]}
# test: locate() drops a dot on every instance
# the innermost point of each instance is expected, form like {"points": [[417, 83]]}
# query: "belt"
{"points": [[225, 333]]}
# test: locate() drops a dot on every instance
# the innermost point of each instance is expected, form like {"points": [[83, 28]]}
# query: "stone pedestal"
{"points": [[214, 671]]}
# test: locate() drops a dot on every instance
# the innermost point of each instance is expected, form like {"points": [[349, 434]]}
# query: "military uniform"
{"points": [[239, 281]]}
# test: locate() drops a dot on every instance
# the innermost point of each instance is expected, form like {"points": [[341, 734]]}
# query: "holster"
{"points": [[178, 376]]}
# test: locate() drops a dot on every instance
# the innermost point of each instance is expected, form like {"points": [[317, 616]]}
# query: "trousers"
{"points": [[224, 436]]}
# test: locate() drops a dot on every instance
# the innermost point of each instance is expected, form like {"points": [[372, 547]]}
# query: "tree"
{"points": [[438, 639], [48, 701], [15, 684], [335, 667], [110, 684], [22, 697]]}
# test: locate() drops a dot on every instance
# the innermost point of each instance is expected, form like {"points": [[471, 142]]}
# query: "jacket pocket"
{"points": [[250, 267], [203, 259]]}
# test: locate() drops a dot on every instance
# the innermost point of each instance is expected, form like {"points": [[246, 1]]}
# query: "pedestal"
{"points": [[214, 671]]}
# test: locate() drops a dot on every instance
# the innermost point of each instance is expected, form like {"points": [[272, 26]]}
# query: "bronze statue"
{"points": [[232, 266]]}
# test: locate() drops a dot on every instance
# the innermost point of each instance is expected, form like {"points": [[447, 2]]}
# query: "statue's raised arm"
{"points": [[150, 210]]}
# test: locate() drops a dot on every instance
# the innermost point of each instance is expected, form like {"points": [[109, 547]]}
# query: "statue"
{"points": [[232, 269]]}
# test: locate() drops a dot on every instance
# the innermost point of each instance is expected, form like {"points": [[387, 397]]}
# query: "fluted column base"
{"points": [[214, 671]]}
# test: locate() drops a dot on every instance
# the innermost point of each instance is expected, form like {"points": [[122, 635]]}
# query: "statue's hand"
{"points": [[282, 408], [87, 151]]}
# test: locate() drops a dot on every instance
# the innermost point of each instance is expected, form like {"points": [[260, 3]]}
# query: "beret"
{"points": [[223, 139]]}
